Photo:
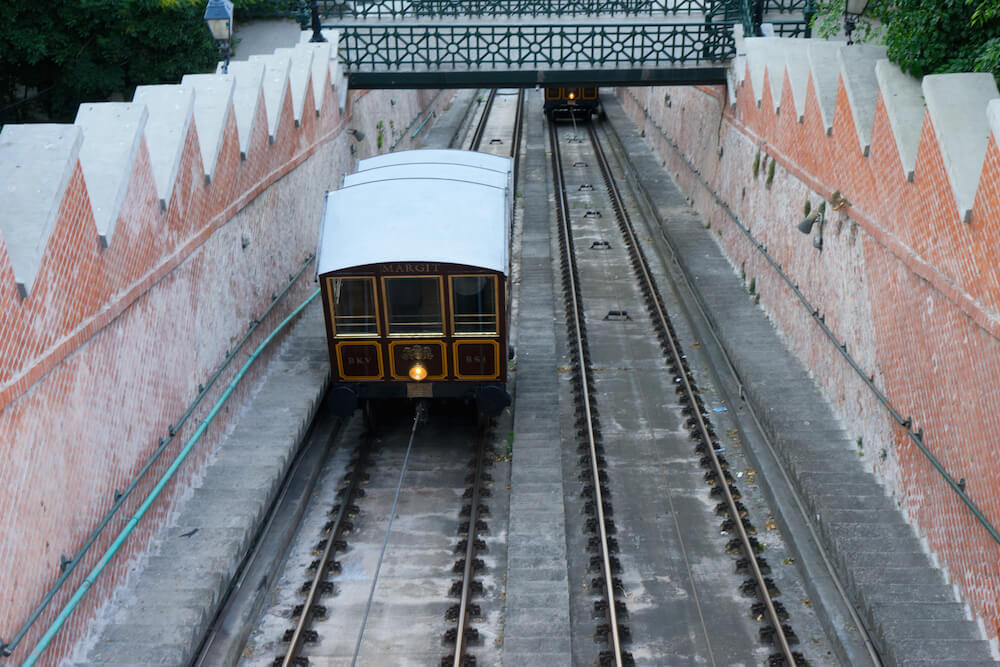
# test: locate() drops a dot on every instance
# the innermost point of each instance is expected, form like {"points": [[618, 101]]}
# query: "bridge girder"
{"points": [[529, 78]]}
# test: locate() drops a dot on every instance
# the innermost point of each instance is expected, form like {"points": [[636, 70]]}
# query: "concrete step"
{"points": [[912, 629], [836, 504], [906, 652], [133, 653]]}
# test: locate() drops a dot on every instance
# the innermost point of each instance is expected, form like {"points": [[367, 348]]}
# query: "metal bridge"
{"points": [[515, 43]]}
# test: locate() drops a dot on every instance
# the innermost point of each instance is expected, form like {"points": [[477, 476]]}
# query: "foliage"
{"points": [[56, 55], [926, 36], [828, 21], [266, 9]]}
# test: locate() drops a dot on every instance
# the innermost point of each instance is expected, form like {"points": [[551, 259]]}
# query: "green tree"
{"points": [[926, 36], [56, 55]]}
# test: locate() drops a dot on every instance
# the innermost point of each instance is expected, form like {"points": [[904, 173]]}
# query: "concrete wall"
{"points": [[135, 248], [909, 273]]}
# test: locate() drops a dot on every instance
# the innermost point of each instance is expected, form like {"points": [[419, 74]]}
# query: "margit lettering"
{"points": [[422, 267]]}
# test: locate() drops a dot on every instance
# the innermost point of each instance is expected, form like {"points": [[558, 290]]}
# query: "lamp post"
{"points": [[853, 9], [219, 19], [317, 28]]}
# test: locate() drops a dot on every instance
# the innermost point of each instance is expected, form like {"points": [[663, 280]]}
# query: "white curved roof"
{"points": [[444, 155], [437, 170], [415, 220]]}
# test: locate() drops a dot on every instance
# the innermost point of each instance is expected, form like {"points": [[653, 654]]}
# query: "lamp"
{"points": [[219, 19], [815, 217], [853, 9], [806, 225], [357, 134]]}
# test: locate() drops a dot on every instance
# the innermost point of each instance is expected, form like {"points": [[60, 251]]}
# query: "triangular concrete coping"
{"points": [[825, 69], [276, 70], [112, 134], [171, 108], [36, 164], [857, 69], [299, 75], [957, 105], [213, 99], [797, 65], [904, 105], [766, 55], [325, 64], [246, 97]]}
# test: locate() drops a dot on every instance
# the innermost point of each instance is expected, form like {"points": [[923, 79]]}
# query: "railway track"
{"points": [[702, 432], [588, 422], [477, 134], [470, 547], [378, 553], [326, 618], [326, 565], [776, 630], [330, 606]]}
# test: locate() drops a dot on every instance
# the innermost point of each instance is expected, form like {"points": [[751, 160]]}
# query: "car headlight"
{"points": [[418, 372]]}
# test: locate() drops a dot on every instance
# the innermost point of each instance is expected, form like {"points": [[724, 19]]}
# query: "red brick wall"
{"points": [[109, 347], [911, 289]]}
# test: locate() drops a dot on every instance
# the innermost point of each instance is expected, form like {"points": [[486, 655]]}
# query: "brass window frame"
{"points": [[333, 312], [467, 341], [358, 343], [496, 304], [407, 334]]}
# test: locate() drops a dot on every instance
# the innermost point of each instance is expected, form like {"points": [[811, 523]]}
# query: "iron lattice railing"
{"points": [[455, 47], [791, 28], [446, 9], [449, 9], [786, 6]]}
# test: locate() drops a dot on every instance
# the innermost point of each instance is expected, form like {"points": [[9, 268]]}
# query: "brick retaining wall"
{"points": [[902, 280], [109, 345]]}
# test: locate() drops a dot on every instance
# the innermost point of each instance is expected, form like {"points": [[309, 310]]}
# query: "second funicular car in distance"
{"points": [[413, 263], [579, 101]]}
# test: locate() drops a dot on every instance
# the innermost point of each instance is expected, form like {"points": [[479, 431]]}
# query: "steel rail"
{"points": [[562, 211], [336, 531], [515, 147], [477, 136], [470, 547], [470, 552], [657, 311]]}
